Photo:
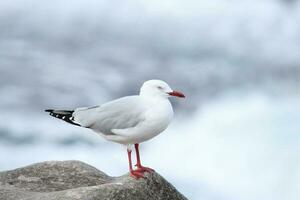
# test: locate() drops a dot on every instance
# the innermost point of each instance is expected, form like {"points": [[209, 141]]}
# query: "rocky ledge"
{"points": [[65, 180]]}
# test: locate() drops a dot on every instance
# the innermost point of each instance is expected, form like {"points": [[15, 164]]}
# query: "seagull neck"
{"points": [[152, 98]]}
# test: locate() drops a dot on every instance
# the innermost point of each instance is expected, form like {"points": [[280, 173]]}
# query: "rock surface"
{"points": [[66, 180]]}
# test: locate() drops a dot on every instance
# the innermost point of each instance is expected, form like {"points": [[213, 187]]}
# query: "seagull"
{"points": [[129, 120]]}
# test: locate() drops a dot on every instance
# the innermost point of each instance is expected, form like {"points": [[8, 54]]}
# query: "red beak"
{"points": [[176, 94]]}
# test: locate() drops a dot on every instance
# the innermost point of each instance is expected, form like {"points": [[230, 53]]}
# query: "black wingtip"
{"points": [[49, 110]]}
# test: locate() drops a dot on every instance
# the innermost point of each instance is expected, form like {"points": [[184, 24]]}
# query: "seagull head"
{"points": [[158, 88]]}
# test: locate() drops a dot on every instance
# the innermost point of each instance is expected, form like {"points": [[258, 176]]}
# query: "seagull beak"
{"points": [[176, 94]]}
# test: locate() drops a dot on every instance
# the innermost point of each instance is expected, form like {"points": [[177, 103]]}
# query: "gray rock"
{"points": [[65, 180]]}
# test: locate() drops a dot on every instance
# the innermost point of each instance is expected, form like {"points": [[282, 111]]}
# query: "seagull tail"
{"points": [[65, 115]]}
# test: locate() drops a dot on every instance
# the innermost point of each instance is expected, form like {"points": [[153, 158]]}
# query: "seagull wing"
{"points": [[122, 113]]}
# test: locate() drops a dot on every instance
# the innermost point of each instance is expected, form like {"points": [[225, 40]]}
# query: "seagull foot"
{"points": [[143, 169], [136, 174]]}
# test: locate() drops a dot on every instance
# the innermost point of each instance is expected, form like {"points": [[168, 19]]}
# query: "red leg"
{"points": [[138, 161], [134, 173]]}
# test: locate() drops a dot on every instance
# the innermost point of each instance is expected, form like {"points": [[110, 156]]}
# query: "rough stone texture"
{"points": [[65, 180]]}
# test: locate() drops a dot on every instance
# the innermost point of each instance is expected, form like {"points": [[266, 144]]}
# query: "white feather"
{"points": [[131, 119]]}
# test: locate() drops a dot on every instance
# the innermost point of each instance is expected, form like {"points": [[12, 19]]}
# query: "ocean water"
{"points": [[235, 136]]}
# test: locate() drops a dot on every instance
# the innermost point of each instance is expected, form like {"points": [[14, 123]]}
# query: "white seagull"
{"points": [[128, 120]]}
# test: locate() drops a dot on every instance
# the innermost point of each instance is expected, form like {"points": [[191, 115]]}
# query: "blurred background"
{"points": [[235, 137]]}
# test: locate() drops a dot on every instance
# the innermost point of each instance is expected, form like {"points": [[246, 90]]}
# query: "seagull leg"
{"points": [[134, 173], [138, 161]]}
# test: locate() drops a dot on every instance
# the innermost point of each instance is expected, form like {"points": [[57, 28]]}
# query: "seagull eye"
{"points": [[159, 87]]}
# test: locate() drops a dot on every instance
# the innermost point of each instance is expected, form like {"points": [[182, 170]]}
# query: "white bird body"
{"points": [[128, 120]]}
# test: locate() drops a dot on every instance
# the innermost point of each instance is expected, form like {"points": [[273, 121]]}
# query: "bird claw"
{"points": [[136, 174], [143, 169], [139, 172]]}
